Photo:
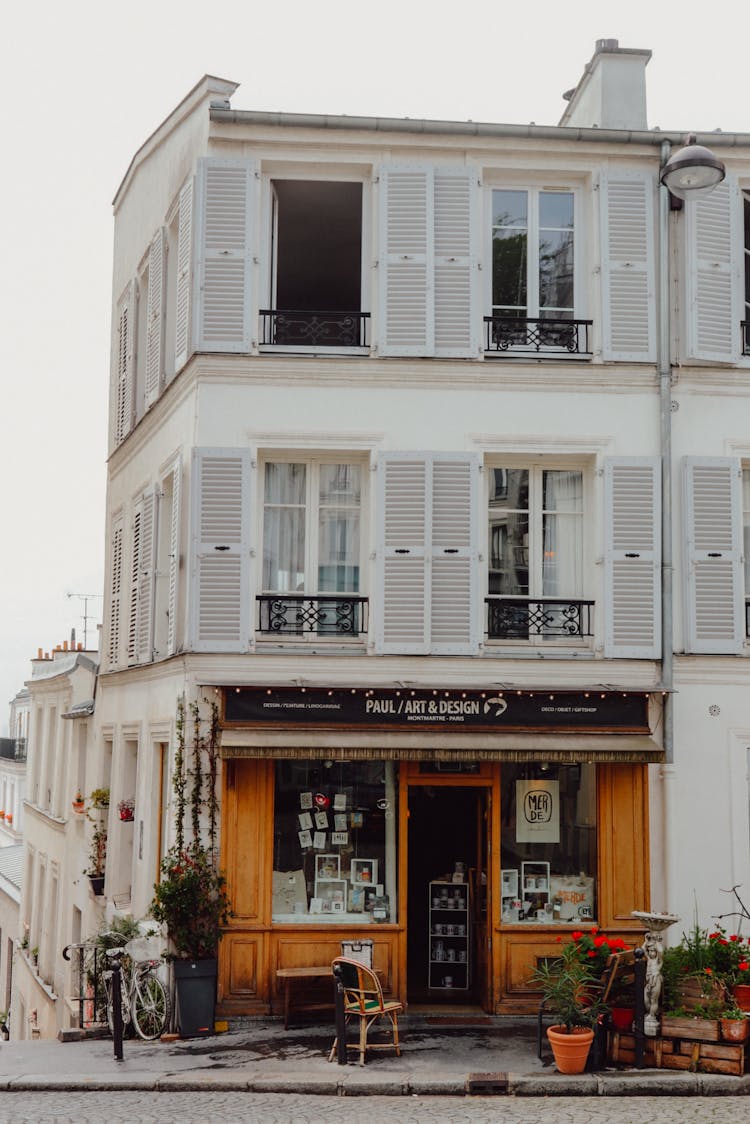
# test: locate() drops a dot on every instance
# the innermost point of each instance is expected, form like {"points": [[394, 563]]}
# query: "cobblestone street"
{"points": [[249, 1108]]}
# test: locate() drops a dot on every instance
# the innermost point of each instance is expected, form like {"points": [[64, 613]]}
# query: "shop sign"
{"points": [[538, 811], [389, 708]]}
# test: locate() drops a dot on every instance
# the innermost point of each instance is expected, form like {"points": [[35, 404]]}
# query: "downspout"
{"points": [[667, 619]]}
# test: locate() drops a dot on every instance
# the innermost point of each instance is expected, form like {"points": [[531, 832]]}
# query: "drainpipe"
{"points": [[667, 622]]}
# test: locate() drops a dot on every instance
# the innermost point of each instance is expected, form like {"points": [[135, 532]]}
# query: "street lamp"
{"points": [[692, 172]]}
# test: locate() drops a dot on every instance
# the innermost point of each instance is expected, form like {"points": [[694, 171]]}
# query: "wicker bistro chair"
{"points": [[363, 1000]]}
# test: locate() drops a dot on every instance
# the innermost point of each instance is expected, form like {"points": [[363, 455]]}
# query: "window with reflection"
{"points": [[335, 838], [548, 844]]}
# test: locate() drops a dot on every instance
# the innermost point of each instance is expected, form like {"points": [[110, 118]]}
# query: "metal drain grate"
{"points": [[487, 1084]]}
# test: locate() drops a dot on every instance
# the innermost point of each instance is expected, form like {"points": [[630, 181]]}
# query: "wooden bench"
{"points": [[304, 977]]}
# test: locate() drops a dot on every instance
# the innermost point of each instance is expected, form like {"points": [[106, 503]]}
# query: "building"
{"points": [[13, 771], [427, 447], [56, 905]]}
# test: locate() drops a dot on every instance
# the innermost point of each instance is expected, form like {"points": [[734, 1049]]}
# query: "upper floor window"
{"points": [[316, 265], [535, 577], [746, 542], [312, 547], [746, 263]]}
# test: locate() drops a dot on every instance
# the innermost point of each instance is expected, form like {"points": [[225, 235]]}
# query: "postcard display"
{"points": [[448, 966]]}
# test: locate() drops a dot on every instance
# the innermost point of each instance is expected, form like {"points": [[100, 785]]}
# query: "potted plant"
{"points": [[79, 804], [191, 898], [9, 817], [734, 1024], [126, 808], [97, 859], [567, 985], [99, 798]]}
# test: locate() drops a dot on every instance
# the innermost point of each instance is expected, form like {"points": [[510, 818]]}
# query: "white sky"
{"points": [[82, 84]]}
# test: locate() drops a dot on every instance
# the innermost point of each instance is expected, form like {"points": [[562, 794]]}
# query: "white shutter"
{"points": [[125, 364], [403, 593], [174, 557], [220, 577], [427, 553], [627, 240], [147, 564], [632, 587], [223, 314], [155, 308], [406, 261], [183, 343], [456, 274], [712, 309], [453, 600], [714, 580], [115, 596], [135, 564]]}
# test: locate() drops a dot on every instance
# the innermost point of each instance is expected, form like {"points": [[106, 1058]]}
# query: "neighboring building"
{"points": [[13, 770], [396, 409], [11, 882], [57, 907]]}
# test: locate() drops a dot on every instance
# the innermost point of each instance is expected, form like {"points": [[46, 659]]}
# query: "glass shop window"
{"points": [[335, 842], [548, 844]]}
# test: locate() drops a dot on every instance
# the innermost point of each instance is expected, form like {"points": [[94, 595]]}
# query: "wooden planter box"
{"points": [[697, 1030], [678, 1052]]}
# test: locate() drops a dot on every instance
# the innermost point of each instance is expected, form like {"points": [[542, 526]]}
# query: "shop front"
{"points": [[462, 832]]}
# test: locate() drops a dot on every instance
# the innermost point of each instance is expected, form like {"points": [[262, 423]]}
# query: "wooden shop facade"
{"points": [[462, 831]]}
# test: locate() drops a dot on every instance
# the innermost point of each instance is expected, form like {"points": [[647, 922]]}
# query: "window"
{"points": [[535, 529], [533, 269], [312, 546], [316, 283], [548, 843], [334, 857], [746, 542]]}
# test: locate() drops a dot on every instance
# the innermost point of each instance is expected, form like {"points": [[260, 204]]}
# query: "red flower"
{"points": [[599, 941], [743, 965], [577, 935], [734, 937], [591, 953], [594, 930], [714, 936], [558, 939], [709, 971]]}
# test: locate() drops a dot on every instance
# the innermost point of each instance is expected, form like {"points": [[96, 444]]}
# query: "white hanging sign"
{"points": [[537, 811]]}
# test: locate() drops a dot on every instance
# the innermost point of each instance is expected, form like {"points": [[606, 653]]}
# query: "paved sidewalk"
{"points": [[492, 1055]]}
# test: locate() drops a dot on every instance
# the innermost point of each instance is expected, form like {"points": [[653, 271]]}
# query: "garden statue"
{"points": [[653, 948]]}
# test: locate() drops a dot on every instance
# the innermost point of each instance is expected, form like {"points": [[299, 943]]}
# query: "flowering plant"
{"points": [[728, 958], [191, 900], [594, 949]]}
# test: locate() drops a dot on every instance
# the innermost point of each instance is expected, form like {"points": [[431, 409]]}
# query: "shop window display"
{"points": [[334, 842], [548, 844]]}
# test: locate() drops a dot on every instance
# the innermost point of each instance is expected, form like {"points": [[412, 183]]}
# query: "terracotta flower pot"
{"points": [[741, 993], [734, 1030], [571, 1051]]}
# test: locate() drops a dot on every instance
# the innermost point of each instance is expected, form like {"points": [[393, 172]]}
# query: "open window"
{"points": [[316, 265]]}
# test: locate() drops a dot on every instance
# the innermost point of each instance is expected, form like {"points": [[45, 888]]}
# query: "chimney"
{"points": [[611, 93]]}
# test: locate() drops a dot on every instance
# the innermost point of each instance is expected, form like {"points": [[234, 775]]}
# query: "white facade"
{"points": [[448, 388], [57, 907]]}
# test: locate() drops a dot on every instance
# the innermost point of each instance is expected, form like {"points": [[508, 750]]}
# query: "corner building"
{"points": [[386, 484]]}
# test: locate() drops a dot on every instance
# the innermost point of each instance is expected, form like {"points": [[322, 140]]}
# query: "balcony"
{"points": [[13, 749], [307, 328], [547, 618], [745, 325], [525, 335], [341, 615]]}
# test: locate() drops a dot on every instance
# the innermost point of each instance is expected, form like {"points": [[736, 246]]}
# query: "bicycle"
{"points": [[146, 1005]]}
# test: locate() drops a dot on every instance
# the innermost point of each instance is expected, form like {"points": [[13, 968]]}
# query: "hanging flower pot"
{"points": [[126, 808], [9, 817], [79, 804]]}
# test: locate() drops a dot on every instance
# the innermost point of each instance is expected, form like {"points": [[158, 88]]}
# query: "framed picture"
{"points": [[340, 838], [364, 872], [357, 819], [305, 821], [509, 883], [339, 802], [305, 800], [321, 821], [327, 867], [340, 822], [332, 895]]}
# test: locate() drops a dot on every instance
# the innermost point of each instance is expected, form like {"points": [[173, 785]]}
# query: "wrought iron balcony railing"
{"points": [[519, 335], [548, 618], [295, 328], [746, 337], [329, 614], [747, 618]]}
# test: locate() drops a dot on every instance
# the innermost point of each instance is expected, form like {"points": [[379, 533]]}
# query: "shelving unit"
{"points": [[449, 944]]}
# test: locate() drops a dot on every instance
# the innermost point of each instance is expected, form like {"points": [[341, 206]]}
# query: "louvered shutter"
{"points": [[135, 563], [712, 306], [220, 578], [714, 579], [226, 194], [632, 588], [403, 593], [627, 239], [183, 343], [174, 557], [155, 309], [453, 583], [115, 596], [124, 364], [427, 554], [147, 562], [456, 308], [406, 261]]}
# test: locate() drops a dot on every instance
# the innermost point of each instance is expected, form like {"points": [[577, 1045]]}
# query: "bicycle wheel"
{"points": [[151, 1006]]}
